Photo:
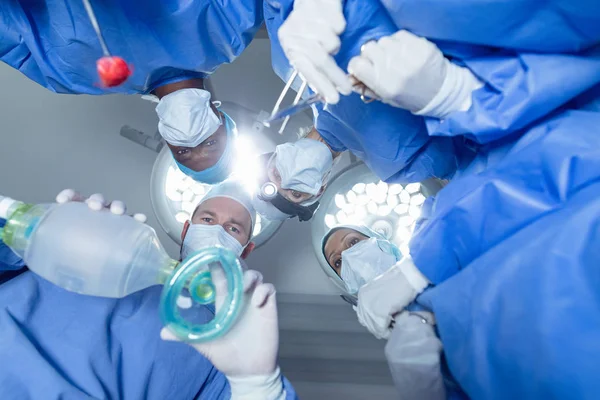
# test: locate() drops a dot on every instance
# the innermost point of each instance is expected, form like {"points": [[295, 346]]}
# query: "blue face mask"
{"points": [[222, 169]]}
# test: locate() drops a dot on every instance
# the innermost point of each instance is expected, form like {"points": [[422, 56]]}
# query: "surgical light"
{"points": [[175, 196], [359, 188]]}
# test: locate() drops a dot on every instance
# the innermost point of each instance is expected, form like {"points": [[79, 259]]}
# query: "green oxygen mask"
{"points": [[97, 253]]}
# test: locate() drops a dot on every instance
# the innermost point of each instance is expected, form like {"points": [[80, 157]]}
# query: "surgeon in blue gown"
{"points": [[171, 45], [58, 344], [513, 252], [393, 143], [511, 244], [517, 87]]}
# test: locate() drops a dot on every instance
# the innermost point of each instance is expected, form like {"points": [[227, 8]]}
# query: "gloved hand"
{"points": [[247, 354], [97, 202], [413, 353], [410, 72], [309, 37], [387, 295]]}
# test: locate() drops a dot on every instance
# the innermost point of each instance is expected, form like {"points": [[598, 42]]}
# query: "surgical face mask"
{"points": [[303, 165], [222, 168], [186, 117], [363, 262], [199, 236]]}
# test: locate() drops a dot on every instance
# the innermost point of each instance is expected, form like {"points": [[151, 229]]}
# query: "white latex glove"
{"points": [[247, 354], [410, 72], [97, 202], [413, 353], [309, 37], [387, 295]]}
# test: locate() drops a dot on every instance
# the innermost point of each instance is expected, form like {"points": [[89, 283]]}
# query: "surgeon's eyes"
{"points": [[208, 220], [296, 195], [338, 263], [353, 242], [181, 152], [234, 229], [209, 143]]}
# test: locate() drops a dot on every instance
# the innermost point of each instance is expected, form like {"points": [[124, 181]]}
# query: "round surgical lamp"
{"points": [[175, 196], [356, 196]]}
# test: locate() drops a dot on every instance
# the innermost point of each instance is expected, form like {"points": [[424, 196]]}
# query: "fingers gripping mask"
{"points": [[200, 236], [303, 165], [363, 262]]}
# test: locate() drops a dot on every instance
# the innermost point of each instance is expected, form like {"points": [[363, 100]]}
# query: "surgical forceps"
{"points": [[299, 105]]}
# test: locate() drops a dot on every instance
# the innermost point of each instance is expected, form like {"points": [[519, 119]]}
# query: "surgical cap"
{"points": [[303, 165], [186, 117], [224, 166], [234, 190]]}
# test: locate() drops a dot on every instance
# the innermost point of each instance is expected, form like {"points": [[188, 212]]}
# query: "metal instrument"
{"points": [[94, 21], [299, 105]]}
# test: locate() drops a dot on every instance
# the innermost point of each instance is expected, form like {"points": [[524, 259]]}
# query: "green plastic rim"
{"points": [[201, 288], [194, 274], [17, 222]]}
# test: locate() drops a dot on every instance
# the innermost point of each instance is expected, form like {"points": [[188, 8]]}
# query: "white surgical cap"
{"points": [[234, 190], [186, 117], [303, 165]]}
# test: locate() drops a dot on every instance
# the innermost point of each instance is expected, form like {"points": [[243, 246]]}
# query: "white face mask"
{"points": [[199, 236], [186, 117], [303, 165], [363, 262]]}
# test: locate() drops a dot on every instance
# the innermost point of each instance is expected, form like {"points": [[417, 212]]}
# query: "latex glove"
{"points": [[388, 294], [410, 72], [247, 354], [97, 202], [413, 353], [309, 37]]}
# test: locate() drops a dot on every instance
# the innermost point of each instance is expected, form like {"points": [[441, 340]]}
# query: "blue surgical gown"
{"points": [[58, 344], [53, 43], [552, 26], [532, 56], [514, 252], [9, 261]]}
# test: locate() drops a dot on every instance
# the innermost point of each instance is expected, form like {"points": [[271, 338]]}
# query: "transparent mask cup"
{"points": [[100, 254]]}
